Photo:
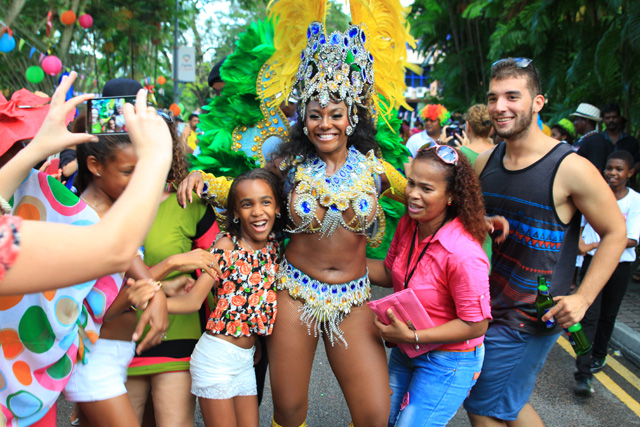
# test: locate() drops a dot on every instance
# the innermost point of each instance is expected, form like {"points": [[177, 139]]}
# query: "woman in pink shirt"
{"points": [[437, 252]]}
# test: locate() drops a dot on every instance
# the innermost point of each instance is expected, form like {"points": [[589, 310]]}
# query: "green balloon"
{"points": [[181, 105], [35, 74]]}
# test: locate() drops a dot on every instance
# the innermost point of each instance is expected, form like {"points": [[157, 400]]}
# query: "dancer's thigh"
{"points": [[361, 369], [291, 350]]}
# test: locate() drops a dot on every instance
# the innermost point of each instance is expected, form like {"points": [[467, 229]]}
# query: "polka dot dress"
{"points": [[43, 334]]}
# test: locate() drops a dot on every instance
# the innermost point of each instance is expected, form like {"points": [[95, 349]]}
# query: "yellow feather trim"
{"points": [[388, 37], [291, 19], [397, 183]]}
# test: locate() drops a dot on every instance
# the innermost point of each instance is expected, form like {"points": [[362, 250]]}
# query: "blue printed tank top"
{"points": [[539, 243]]}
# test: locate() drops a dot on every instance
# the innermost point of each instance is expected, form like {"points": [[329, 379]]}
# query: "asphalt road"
{"points": [[615, 404]]}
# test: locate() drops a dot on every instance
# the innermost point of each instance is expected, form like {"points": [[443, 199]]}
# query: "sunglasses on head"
{"points": [[167, 118], [447, 154], [520, 62]]}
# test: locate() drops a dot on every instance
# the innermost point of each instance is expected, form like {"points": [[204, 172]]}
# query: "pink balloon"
{"points": [[51, 65], [85, 20]]}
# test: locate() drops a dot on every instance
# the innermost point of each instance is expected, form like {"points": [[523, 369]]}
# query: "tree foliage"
{"points": [[129, 38], [586, 50]]}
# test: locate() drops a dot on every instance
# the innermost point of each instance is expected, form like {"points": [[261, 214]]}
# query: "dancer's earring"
{"points": [[305, 130]]}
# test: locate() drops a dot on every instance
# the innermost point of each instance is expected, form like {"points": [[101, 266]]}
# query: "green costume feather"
{"points": [[239, 104], [394, 152]]}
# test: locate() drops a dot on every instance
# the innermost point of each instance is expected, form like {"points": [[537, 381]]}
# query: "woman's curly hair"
{"points": [[300, 147], [464, 185], [179, 170], [479, 120]]}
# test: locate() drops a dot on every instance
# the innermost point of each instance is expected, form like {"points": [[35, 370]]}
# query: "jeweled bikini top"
{"points": [[355, 185]]}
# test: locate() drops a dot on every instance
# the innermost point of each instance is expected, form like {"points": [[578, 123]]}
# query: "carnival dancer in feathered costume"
{"points": [[334, 180]]}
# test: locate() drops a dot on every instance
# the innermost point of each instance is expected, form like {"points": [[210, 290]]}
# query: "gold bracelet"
{"points": [[5, 206], [158, 284]]}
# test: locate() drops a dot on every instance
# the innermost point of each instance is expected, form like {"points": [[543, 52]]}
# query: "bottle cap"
{"points": [[574, 328]]}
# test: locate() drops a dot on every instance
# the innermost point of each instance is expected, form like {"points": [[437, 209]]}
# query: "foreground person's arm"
{"points": [[57, 255]]}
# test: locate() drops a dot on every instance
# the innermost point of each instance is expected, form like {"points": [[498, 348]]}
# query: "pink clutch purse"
{"points": [[406, 307]]}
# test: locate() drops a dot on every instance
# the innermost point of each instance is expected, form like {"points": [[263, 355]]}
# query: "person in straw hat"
{"points": [[591, 144]]}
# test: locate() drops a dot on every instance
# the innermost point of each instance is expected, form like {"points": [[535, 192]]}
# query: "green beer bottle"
{"points": [[578, 339], [544, 302]]}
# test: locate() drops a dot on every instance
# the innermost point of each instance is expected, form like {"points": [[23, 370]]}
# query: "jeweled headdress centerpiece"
{"points": [[335, 70]]}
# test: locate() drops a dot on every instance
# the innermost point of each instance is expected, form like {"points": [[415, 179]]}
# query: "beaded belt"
{"points": [[325, 305]]}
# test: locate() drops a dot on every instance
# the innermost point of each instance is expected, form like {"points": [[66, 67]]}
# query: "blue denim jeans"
{"points": [[429, 389]]}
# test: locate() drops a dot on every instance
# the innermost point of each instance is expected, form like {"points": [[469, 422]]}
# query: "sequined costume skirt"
{"points": [[325, 304]]}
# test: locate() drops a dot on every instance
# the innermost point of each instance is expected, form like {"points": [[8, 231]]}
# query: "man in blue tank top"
{"points": [[538, 185]]}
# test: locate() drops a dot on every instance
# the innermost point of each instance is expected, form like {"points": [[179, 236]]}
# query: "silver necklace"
{"points": [[247, 243], [90, 204]]}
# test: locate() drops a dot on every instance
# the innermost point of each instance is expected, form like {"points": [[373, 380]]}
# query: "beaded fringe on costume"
{"points": [[325, 305]]}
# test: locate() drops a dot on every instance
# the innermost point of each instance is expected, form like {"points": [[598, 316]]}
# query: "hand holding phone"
{"points": [[453, 130], [148, 131], [53, 135]]}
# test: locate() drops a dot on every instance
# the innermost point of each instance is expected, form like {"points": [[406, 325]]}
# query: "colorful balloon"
{"points": [[161, 80], [85, 20], [68, 17], [7, 43], [175, 109], [51, 65], [35, 74]]}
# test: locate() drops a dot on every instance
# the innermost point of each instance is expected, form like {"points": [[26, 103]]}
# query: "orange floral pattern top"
{"points": [[246, 292]]}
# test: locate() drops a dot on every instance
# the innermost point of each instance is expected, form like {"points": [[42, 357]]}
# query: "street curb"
{"points": [[627, 341]]}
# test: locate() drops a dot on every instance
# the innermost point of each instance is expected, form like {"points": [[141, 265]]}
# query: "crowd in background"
{"points": [[176, 299]]}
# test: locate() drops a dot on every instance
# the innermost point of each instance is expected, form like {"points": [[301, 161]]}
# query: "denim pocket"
{"points": [[444, 359]]}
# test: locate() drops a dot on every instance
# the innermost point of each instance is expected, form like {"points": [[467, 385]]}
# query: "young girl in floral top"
{"points": [[222, 363]]}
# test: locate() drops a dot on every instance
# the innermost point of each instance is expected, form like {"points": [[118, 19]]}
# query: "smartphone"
{"points": [[452, 130], [104, 115]]}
